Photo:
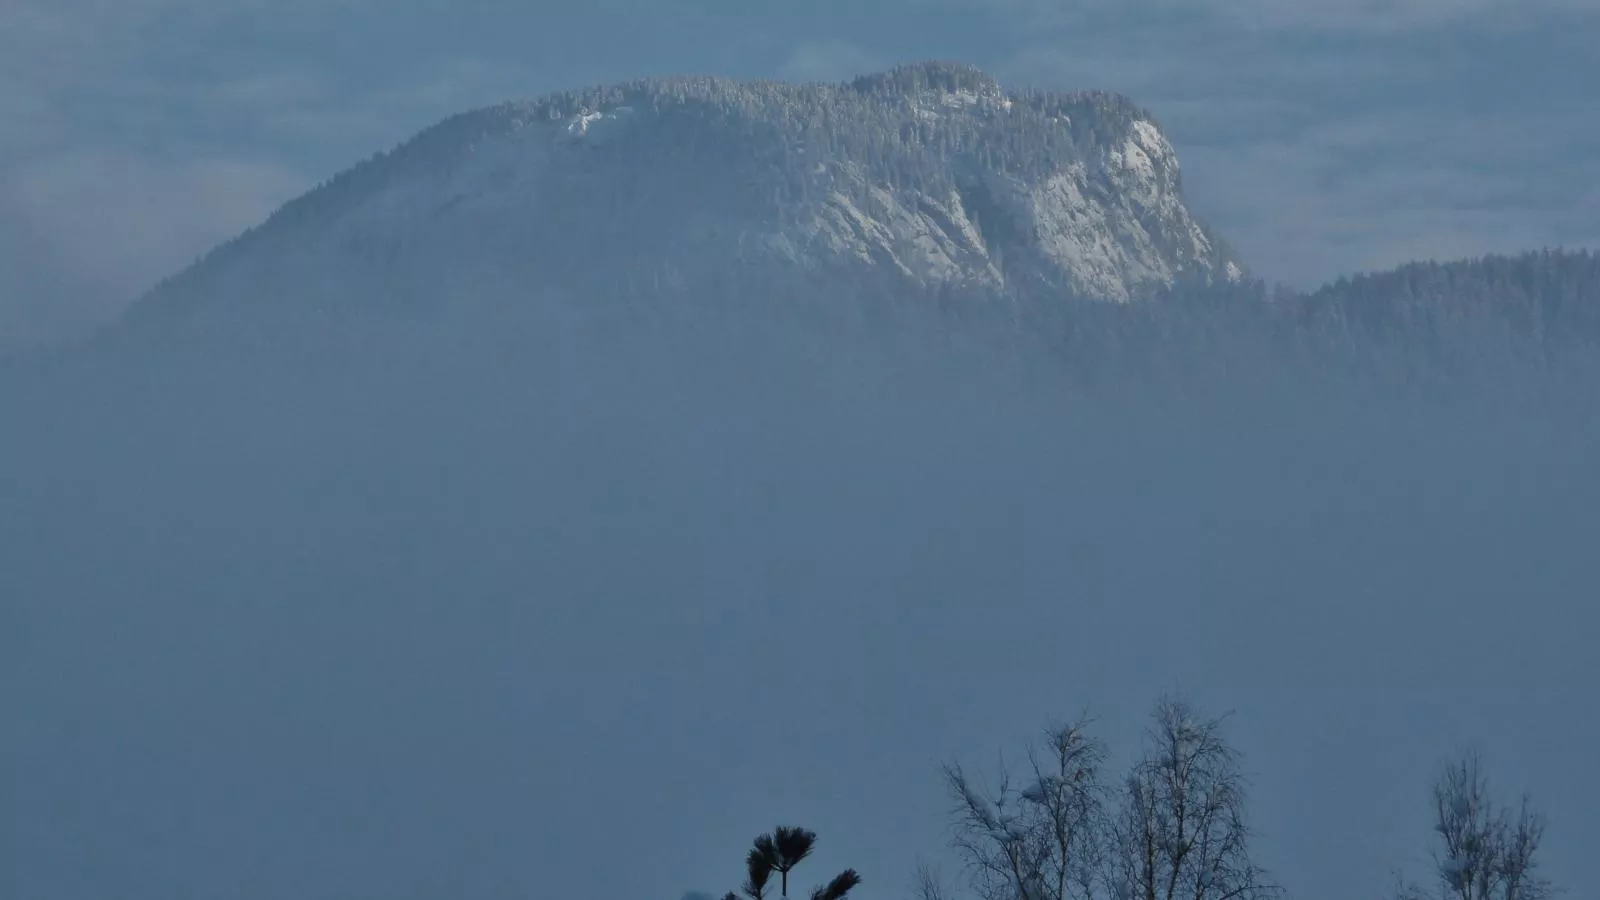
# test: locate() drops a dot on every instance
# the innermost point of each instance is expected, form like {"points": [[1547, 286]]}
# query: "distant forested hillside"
{"points": [[1541, 293]]}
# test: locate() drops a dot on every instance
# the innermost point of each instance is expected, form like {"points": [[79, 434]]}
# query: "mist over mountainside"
{"points": [[411, 542], [426, 615]]}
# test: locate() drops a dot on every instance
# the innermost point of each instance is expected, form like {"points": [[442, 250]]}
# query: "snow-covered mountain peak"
{"points": [[927, 176]]}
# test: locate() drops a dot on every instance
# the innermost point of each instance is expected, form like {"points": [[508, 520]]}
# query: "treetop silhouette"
{"points": [[779, 852]]}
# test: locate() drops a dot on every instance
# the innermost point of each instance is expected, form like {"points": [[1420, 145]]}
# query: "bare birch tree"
{"points": [[1484, 851], [1042, 840], [1180, 831], [1176, 830]]}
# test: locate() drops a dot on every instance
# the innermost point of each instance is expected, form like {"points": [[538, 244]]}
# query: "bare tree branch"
{"points": [[929, 884], [1042, 842], [1181, 832], [1484, 852]]}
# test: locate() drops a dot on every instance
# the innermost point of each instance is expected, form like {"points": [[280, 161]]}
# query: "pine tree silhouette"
{"points": [[780, 851]]}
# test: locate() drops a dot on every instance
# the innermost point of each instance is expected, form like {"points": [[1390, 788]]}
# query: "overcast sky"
{"points": [[1319, 138]]}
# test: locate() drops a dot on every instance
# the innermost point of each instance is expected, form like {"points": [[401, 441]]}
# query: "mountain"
{"points": [[925, 187], [926, 178]]}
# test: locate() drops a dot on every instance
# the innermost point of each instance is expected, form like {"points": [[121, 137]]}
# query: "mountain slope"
{"points": [[927, 177]]}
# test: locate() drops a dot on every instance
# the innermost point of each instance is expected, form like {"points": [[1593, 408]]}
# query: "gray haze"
{"points": [[573, 606], [505, 601]]}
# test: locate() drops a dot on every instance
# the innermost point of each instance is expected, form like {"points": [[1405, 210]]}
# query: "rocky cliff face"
{"points": [[926, 177]]}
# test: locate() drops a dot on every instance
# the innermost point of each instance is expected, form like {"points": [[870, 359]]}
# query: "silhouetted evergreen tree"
{"points": [[779, 852]]}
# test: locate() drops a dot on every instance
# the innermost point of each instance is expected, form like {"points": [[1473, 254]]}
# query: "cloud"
{"points": [[307, 111], [103, 200], [1363, 193], [140, 133], [60, 42], [1347, 16], [1317, 154], [828, 60], [87, 231], [1390, 15], [30, 121], [270, 90]]}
